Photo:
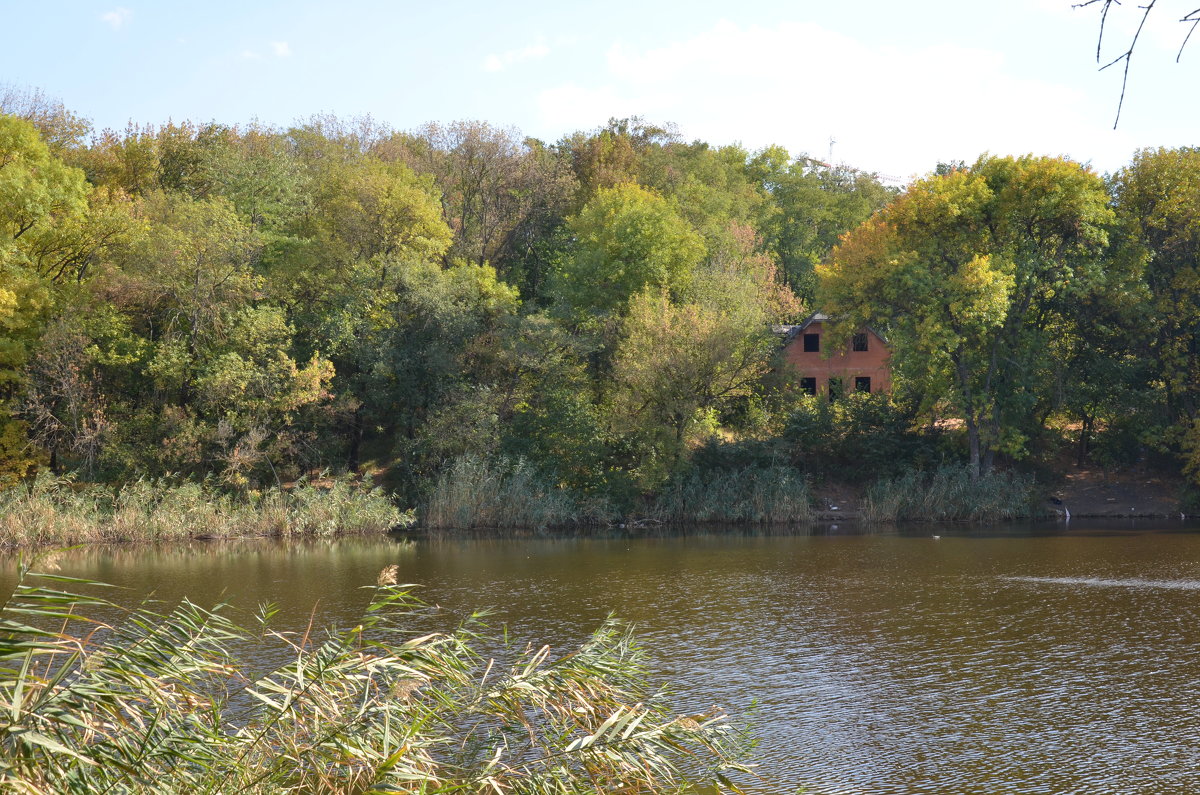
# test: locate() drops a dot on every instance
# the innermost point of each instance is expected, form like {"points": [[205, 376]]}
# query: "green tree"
{"points": [[971, 275], [612, 155], [423, 357], [810, 206], [627, 238], [681, 364], [554, 421], [42, 201], [1158, 202], [61, 129]]}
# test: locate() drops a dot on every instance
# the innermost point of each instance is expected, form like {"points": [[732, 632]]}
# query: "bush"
{"points": [[160, 703], [858, 437], [950, 494]]}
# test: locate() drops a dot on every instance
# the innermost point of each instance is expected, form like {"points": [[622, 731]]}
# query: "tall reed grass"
{"points": [[52, 510], [762, 495], [159, 703], [950, 494], [475, 492]]}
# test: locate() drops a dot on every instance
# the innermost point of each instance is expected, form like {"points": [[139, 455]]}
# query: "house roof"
{"points": [[790, 332]]}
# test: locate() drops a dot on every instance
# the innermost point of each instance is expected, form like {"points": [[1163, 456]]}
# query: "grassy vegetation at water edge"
{"points": [[951, 494], [772, 494], [474, 492], [49, 510], [159, 703]]}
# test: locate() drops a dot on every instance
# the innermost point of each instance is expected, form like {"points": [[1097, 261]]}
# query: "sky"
{"points": [[888, 87]]}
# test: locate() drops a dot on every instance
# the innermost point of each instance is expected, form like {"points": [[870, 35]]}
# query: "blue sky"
{"points": [[899, 86]]}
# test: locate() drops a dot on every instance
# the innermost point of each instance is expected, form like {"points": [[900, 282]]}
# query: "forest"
{"points": [[503, 331]]}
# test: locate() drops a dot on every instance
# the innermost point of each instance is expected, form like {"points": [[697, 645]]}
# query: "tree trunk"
{"points": [[973, 443], [969, 413], [356, 436], [1085, 432]]}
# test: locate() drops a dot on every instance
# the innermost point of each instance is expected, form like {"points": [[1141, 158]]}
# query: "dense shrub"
{"points": [[857, 438]]}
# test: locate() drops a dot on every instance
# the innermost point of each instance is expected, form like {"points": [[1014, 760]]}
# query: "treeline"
{"points": [[250, 304]]}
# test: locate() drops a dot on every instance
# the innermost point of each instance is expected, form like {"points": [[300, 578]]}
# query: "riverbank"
{"points": [[1083, 492], [59, 512], [1135, 492]]}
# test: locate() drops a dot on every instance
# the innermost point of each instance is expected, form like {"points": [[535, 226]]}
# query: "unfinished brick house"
{"points": [[860, 366]]}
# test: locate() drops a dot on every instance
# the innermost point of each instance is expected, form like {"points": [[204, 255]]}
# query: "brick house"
{"points": [[861, 366]]}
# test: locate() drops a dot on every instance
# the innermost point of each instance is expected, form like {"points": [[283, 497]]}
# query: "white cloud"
{"points": [[117, 18], [496, 63], [279, 49], [894, 110]]}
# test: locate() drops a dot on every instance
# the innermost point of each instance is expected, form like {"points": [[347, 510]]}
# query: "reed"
{"points": [[160, 703], [51, 510], [951, 494], [776, 494], [473, 493]]}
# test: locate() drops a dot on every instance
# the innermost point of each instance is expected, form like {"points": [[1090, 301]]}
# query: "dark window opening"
{"points": [[835, 388], [812, 343], [862, 383], [859, 343], [808, 386]]}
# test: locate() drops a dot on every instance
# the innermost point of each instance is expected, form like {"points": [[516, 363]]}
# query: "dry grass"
{"points": [[60, 511], [770, 495], [474, 493], [950, 494], [159, 703]]}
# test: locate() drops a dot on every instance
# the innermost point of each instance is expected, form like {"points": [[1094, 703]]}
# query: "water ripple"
{"points": [[1102, 582]]}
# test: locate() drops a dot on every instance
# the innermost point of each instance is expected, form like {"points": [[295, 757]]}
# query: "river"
{"points": [[1022, 660]]}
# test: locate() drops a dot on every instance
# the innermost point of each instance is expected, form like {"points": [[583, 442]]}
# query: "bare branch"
{"points": [[1126, 56], [1192, 17]]}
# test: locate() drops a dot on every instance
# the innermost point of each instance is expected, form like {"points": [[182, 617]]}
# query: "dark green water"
{"points": [[970, 663]]}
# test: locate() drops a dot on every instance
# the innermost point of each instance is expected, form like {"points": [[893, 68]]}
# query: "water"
{"points": [[970, 663]]}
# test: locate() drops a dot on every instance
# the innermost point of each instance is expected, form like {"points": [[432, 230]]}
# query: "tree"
{"points": [[374, 209], [425, 351], [612, 155], [1158, 203], [810, 206], [60, 128], [499, 193], [37, 190], [681, 363], [41, 202], [627, 238], [971, 275]]}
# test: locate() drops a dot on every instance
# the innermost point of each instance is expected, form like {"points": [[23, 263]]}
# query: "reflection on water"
{"points": [[977, 662], [1098, 582]]}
